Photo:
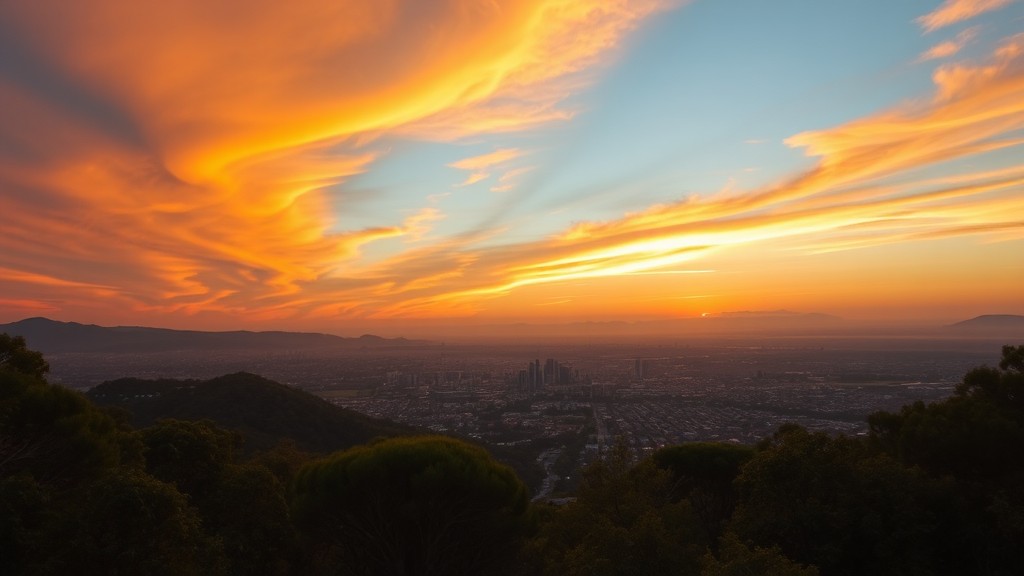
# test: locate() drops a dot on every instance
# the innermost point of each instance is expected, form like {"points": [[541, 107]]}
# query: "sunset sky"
{"points": [[352, 166]]}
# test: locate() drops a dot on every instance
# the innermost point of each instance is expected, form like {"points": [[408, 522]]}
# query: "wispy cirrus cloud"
{"points": [[950, 47], [507, 181], [953, 11], [864, 191], [185, 154], [480, 166]]}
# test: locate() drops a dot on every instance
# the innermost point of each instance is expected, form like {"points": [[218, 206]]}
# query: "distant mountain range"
{"points": [[50, 336], [1009, 324]]}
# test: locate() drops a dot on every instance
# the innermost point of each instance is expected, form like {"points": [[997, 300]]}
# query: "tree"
{"points": [[739, 559], [625, 521], [243, 506], [833, 503], [976, 439], [55, 447], [16, 357], [52, 433], [247, 510], [190, 455], [424, 505], [26, 516], [703, 473], [131, 523], [1013, 359]]}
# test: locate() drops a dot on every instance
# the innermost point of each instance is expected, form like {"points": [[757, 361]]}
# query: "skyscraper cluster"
{"points": [[552, 373]]}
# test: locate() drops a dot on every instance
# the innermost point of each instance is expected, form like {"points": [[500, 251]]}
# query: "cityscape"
{"points": [[574, 401]]}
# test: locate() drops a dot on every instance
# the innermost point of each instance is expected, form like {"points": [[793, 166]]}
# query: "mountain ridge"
{"points": [[991, 320], [54, 336]]}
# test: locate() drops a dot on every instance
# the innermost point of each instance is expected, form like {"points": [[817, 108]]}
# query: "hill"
{"points": [[994, 325], [264, 411], [51, 336]]}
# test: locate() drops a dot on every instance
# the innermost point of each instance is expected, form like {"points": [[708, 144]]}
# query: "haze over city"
{"points": [[395, 167]]}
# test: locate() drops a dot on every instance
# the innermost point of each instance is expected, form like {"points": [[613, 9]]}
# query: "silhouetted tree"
{"points": [[54, 444], [703, 473], [243, 506], [832, 503], [976, 437], [1013, 359], [426, 505], [738, 559], [131, 523], [247, 510], [52, 433], [190, 455], [625, 521], [16, 357]]}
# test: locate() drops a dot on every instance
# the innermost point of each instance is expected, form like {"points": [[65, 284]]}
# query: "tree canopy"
{"points": [[421, 505], [16, 357]]}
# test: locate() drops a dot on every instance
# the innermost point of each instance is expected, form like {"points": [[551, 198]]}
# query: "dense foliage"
{"points": [[933, 489], [427, 505]]}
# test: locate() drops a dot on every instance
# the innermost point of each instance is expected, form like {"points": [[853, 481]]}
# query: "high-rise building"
{"points": [[551, 371], [639, 368]]}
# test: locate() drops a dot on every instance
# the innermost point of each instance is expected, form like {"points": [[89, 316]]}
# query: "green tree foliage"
{"points": [[283, 460], [625, 521], [51, 433], [26, 516], [703, 473], [54, 445], [1013, 359], [131, 523], [975, 438], [426, 505], [243, 505], [16, 357], [248, 512], [976, 435], [832, 503], [738, 559], [190, 455]]}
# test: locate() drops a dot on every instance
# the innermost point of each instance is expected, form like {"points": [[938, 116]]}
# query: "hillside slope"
{"points": [[264, 411]]}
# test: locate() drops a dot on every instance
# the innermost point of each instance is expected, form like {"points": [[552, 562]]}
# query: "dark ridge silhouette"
{"points": [[51, 336], [264, 411], [1001, 326], [992, 321]]}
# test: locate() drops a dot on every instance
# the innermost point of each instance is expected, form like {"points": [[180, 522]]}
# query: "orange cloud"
{"points": [[865, 191], [480, 166], [953, 11], [950, 47], [419, 224], [485, 161], [507, 181], [190, 157]]}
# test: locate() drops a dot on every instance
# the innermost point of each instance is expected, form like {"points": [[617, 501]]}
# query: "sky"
{"points": [[389, 166]]}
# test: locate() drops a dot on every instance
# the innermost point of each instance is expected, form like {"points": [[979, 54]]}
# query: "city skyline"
{"points": [[387, 167]]}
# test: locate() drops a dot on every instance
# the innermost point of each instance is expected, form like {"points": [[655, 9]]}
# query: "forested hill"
{"points": [[264, 411], [51, 336]]}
